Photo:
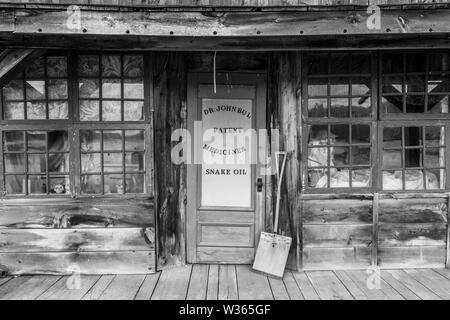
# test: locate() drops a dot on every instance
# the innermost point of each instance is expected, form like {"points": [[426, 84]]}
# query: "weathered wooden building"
{"points": [[357, 92]]}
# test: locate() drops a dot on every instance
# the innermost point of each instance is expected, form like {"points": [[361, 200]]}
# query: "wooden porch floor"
{"points": [[225, 282]]}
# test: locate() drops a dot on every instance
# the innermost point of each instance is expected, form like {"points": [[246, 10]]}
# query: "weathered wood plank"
{"points": [[292, 287], [198, 285], [77, 214], [429, 210], [80, 240], [360, 278], [252, 286], [407, 257], [148, 287], [173, 284], [432, 280], [412, 234], [97, 289], [228, 287], [443, 272], [26, 287], [4, 280], [398, 286], [329, 236], [223, 254], [170, 95], [328, 286], [307, 289], [213, 282], [69, 288], [228, 61], [119, 262], [350, 285], [342, 211], [229, 23], [278, 288], [336, 258], [421, 291], [123, 287]]}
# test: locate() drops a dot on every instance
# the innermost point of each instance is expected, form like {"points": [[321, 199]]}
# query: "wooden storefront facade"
{"points": [[88, 116]]}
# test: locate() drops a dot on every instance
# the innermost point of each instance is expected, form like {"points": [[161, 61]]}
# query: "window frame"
{"points": [[414, 123], [73, 125], [409, 116], [351, 120]]}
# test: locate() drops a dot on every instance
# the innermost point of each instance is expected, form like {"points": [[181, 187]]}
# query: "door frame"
{"points": [[257, 79]]}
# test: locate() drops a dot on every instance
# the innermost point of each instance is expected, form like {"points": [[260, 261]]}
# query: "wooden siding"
{"points": [[223, 3], [412, 232], [48, 236], [337, 234]]}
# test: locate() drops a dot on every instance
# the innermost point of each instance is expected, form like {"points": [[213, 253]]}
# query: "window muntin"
{"points": [[339, 155], [413, 157], [111, 87], [415, 83], [36, 162], [339, 85], [112, 161], [31, 168], [40, 92], [339, 127]]}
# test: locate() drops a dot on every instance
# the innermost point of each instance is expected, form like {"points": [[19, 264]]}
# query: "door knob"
{"points": [[259, 184]]}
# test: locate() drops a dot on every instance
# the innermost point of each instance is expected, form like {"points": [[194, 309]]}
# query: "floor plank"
{"points": [[305, 286], [123, 287], [360, 278], [278, 288], [26, 287], [228, 288], [148, 286], [213, 283], [173, 284], [443, 272], [252, 286], [403, 290], [291, 286], [432, 280], [97, 289], [421, 291], [350, 285], [4, 280], [66, 289], [198, 285], [328, 286]]}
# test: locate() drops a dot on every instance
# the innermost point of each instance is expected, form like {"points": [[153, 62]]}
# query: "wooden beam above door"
{"points": [[221, 24]]}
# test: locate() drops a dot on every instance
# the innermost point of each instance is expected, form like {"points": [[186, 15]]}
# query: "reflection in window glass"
{"points": [[38, 93], [36, 162], [415, 83], [339, 156], [111, 87], [112, 161], [409, 161]]}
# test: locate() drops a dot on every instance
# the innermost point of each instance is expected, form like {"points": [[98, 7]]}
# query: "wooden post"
{"points": [[447, 258], [375, 229], [170, 72]]}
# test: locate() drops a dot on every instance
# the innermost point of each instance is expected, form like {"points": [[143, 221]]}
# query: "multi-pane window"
{"points": [[339, 85], [339, 120], [112, 161], [415, 83], [94, 150], [38, 93], [413, 157], [339, 156], [36, 162], [111, 87]]}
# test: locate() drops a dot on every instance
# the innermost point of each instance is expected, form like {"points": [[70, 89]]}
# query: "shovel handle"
{"points": [[280, 179]]}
